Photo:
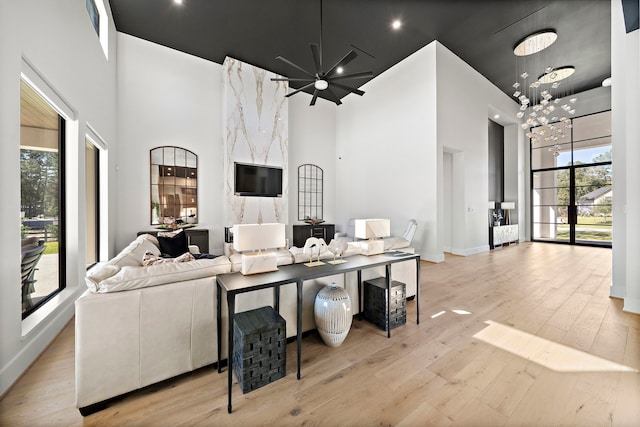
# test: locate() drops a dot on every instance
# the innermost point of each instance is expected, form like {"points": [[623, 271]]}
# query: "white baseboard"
{"points": [[632, 305], [617, 291], [470, 251]]}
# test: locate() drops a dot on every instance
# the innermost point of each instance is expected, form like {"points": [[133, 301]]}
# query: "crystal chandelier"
{"points": [[543, 105]]}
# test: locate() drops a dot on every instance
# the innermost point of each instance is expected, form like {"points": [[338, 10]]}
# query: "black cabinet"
{"points": [[301, 232], [195, 236]]}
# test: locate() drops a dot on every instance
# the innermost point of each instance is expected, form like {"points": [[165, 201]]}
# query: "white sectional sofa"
{"points": [[137, 325]]}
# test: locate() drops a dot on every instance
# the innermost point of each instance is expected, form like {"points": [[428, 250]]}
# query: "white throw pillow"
{"points": [[132, 254]]}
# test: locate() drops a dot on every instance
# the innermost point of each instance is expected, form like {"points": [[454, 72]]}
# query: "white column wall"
{"points": [[312, 135], [625, 92], [58, 40]]}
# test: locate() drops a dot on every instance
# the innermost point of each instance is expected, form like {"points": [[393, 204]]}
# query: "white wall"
{"points": [[59, 42], [391, 144], [166, 97], [312, 135], [625, 92], [386, 150]]}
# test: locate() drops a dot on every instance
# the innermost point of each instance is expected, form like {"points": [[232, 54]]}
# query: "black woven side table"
{"points": [[375, 303], [259, 347]]}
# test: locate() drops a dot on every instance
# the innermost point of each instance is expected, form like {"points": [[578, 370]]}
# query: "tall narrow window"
{"points": [[94, 15], [92, 200], [42, 199], [99, 19]]}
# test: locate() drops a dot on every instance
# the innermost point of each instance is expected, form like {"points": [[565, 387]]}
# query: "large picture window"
{"points": [[572, 181], [41, 199]]}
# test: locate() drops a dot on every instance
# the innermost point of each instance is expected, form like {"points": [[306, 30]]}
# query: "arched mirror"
{"points": [[310, 192], [174, 186]]}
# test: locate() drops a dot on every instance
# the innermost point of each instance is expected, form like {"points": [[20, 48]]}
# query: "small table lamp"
{"points": [[373, 230], [507, 206], [252, 237]]}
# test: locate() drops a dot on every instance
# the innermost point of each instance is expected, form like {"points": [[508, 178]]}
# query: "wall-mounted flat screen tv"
{"points": [[257, 180]]}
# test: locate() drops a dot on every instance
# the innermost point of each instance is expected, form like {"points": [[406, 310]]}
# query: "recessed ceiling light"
{"points": [[339, 70], [396, 24], [606, 82], [497, 116], [535, 42], [177, 1], [557, 74]]}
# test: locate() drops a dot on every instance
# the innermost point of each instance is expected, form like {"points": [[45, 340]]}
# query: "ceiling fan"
{"points": [[321, 80]]}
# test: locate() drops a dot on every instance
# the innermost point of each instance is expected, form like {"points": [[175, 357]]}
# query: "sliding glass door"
{"points": [[572, 184]]}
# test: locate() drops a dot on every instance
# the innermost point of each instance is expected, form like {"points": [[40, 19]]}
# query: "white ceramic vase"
{"points": [[332, 312]]}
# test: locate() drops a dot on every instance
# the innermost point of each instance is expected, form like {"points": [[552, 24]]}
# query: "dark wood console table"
{"points": [[236, 283], [301, 232]]}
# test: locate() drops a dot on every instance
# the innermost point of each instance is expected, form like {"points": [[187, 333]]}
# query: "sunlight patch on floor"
{"points": [[547, 353]]}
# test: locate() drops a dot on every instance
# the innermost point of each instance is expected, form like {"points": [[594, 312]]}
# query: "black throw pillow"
{"points": [[173, 244]]}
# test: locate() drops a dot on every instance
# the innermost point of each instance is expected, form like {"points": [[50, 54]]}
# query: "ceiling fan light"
{"points": [[321, 84]]}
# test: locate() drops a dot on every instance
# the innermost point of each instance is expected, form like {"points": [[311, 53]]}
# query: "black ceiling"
{"points": [[481, 32]]}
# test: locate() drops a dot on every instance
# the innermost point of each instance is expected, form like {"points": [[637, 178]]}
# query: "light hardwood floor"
{"points": [[434, 373]]}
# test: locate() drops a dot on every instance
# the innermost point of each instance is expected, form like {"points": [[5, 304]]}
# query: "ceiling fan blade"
{"points": [[317, 57], [362, 75], [286, 61], [299, 90], [350, 89], [286, 79], [344, 61], [315, 97], [333, 96]]}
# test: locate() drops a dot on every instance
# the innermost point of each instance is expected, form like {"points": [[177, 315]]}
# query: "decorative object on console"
{"points": [[249, 237], [337, 248], [372, 230], [332, 313], [314, 247], [492, 207], [507, 206], [313, 221], [497, 217]]}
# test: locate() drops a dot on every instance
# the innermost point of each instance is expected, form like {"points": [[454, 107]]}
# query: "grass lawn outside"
{"points": [[52, 248]]}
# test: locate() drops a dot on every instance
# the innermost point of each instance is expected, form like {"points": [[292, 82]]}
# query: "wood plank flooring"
{"points": [[434, 373]]}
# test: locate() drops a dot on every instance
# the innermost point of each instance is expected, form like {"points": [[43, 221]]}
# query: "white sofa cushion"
{"points": [[130, 277], [132, 255], [99, 272]]}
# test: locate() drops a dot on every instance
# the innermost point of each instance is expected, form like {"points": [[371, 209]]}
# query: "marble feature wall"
{"points": [[256, 130]]}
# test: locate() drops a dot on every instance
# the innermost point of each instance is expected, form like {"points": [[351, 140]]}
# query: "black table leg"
{"points": [[299, 323], [387, 269], [219, 323], [418, 290], [276, 298], [231, 303], [359, 293]]}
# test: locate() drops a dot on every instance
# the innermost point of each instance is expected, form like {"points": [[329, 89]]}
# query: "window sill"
{"points": [[54, 306]]}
